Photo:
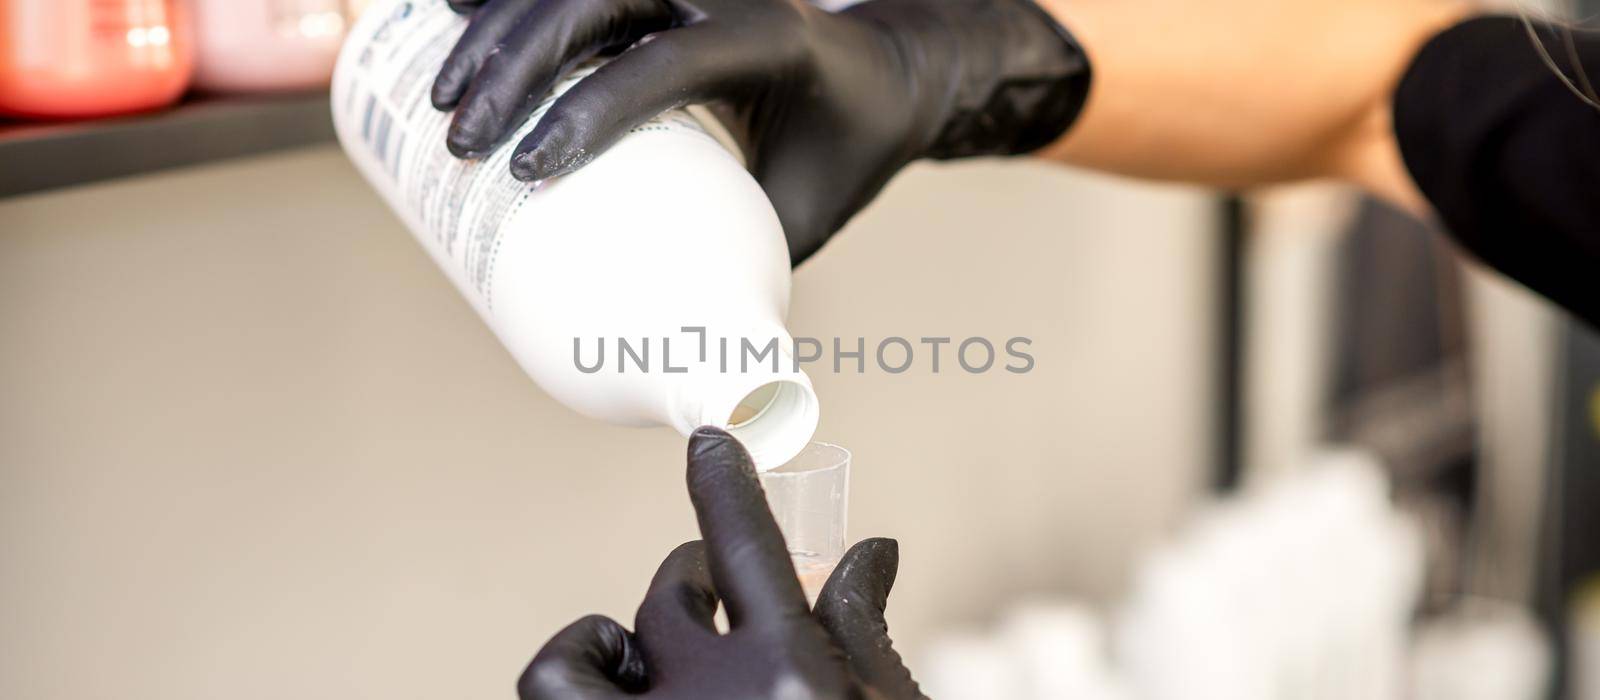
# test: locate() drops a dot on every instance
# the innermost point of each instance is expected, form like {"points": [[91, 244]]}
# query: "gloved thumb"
{"points": [[851, 608]]}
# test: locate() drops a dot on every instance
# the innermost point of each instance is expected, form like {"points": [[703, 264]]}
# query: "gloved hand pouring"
{"points": [[828, 106]]}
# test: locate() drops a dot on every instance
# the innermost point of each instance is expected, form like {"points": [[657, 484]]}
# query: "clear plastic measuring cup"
{"points": [[810, 498]]}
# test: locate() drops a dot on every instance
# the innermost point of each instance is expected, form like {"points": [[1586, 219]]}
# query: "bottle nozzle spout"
{"points": [[772, 412]]}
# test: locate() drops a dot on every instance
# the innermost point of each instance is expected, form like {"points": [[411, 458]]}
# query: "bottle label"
{"points": [[382, 104]]}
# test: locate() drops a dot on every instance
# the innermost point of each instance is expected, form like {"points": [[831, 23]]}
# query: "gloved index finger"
{"points": [[749, 562], [516, 71]]}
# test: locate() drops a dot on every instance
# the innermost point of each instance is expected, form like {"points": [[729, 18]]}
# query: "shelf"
{"points": [[35, 157]]}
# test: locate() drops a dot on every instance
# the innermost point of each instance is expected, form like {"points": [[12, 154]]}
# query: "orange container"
{"points": [[89, 58]]}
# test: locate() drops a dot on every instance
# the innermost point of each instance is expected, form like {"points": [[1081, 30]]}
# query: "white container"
{"points": [[664, 232]]}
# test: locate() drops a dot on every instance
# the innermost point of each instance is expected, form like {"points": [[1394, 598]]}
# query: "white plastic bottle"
{"points": [[664, 243]]}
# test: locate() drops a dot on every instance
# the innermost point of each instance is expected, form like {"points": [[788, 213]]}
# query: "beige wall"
{"points": [[253, 446]]}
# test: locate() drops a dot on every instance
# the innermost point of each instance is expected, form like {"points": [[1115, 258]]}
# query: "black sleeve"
{"points": [[1508, 154]]}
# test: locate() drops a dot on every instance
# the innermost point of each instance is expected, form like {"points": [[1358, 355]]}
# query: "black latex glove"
{"points": [[775, 647], [827, 106]]}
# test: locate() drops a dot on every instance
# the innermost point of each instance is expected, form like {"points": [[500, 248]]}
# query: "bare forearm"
{"points": [[1245, 92]]}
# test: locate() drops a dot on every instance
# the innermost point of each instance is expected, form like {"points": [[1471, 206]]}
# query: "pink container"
{"points": [[267, 45], [354, 8], [89, 58]]}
